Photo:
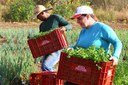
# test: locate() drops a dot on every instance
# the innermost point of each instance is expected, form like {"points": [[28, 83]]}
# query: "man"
{"points": [[95, 33], [50, 22]]}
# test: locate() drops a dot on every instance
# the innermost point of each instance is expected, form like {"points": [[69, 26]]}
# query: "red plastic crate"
{"points": [[45, 78], [48, 43], [85, 72]]}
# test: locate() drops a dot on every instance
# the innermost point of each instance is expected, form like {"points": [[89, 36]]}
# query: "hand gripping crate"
{"points": [[48, 43], [85, 72], [45, 78]]}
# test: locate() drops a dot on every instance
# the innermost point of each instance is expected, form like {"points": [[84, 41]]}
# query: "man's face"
{"points": [[83, 21], [41, 16]]}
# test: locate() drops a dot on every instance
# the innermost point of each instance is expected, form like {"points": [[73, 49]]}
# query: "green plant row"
{"points": [[16, 60]]}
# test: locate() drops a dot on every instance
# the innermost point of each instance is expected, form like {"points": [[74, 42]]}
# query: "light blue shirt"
{"points": [[100, 35]]}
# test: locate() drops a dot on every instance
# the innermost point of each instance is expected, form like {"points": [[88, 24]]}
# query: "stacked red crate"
{"points": [[45, 78], [48, 43], [85, 72]]}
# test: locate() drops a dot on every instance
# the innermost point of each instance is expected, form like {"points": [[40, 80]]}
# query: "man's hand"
{"points": [[62, 28], [115, 61], [70, 49]]}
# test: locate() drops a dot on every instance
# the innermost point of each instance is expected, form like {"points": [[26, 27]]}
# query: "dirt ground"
{"points": [[7, 25]]}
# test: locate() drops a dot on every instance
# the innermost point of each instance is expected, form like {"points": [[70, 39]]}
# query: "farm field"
{"points": [[16, 61]]}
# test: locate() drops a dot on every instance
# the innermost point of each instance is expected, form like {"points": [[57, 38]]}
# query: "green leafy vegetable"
{"points": [[91, 53]]}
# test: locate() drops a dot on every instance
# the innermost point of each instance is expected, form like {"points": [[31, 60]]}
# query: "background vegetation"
{"points": [[106, 10]]}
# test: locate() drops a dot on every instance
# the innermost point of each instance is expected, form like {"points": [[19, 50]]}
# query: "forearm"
{"points": [[68, 26], [117, 49]]}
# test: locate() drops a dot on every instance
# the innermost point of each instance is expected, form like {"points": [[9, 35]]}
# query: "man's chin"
{"points": [[83, 26]]}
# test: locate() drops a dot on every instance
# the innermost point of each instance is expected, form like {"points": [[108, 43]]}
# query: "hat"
{"points": [[38, 9], [82, 10]]}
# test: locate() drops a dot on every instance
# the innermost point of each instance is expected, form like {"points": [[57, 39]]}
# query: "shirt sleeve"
{"points": [[110, 36], [63, 22]]}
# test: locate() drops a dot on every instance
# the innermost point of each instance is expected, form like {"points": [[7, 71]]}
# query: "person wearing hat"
{"points": [[50, 22], [95, 33]]}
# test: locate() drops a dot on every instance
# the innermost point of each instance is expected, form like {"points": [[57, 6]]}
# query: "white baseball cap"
{"points": [[82, 10], [38, 9]]}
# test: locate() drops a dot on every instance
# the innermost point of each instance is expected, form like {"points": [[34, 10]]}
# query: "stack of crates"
{"points": [[48, 43], [45, 78], [44, 45], [85, 72]]}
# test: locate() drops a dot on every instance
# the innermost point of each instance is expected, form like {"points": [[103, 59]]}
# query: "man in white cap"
{"points": [[50, 22], [96, 33]]}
